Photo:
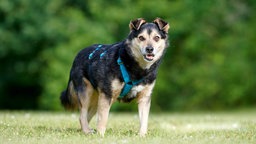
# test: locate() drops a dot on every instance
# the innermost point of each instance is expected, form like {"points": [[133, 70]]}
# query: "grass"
{"points": [[167, 128]]}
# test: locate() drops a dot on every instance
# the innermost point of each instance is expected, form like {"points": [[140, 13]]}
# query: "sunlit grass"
{"points": [[55, 127]]}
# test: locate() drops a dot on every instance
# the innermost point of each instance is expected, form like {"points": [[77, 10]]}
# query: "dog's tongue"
{"points": [[150, 56]]}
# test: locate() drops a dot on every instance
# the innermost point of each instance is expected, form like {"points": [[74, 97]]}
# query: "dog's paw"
{"points": [[142, 134], [89, 131], [101, 132]]}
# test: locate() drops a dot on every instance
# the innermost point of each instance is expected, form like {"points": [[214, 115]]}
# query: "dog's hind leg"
{"points": [[93, 107], [85, 93]]}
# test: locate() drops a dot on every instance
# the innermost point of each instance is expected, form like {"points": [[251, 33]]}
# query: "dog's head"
{"points": [[148, 41]]}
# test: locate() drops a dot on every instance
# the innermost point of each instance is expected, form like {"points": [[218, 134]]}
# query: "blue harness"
{"points": [[128, 82]]}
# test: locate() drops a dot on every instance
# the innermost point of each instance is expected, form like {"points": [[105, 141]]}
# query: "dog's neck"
{"points": [[137, 69], [143, 64]]}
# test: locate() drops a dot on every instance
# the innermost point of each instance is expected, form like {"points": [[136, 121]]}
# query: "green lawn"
{"points": [[166, 128]]}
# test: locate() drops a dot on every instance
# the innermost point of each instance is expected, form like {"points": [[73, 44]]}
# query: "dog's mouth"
{"points": [[149, 56]]}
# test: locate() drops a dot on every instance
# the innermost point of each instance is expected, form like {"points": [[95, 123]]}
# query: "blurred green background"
{"points": [[210, 64]]}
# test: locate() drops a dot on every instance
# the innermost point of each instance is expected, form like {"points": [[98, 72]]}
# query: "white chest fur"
{"points": [[135, 90], [117, 87], [138, 88]]}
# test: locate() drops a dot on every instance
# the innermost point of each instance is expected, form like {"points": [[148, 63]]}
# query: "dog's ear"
{"points": [[136, 24], [162, 25]]}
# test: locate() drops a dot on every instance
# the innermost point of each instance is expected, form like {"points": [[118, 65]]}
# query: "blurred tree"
{"points": [[25, 31], [210, 63], [210, 68]]}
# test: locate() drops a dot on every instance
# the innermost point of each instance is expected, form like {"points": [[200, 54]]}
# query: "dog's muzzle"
{"points": [[149, 56]]}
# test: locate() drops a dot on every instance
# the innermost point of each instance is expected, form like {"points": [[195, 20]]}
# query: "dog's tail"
{"points": [[68, 98]]}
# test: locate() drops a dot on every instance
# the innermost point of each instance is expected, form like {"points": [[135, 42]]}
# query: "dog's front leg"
{"points": [[103, 112], [144, 102], [144, 107]]}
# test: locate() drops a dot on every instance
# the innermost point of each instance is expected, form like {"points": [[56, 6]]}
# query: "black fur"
{"points": [[100, 71], [96, 79]]}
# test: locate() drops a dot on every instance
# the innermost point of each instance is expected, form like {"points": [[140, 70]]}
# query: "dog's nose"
{"points": [[149, 49]]}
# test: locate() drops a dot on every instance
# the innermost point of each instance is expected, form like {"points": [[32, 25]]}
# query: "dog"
{"points": [[102, 74]]}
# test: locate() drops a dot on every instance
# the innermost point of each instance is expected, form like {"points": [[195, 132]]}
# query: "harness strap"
{"points": [[92, 53], [90, 67], [128, 83], [125, 74]]}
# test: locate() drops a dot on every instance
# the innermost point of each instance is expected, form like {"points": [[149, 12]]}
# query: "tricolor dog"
{"points": [[102, 74]]}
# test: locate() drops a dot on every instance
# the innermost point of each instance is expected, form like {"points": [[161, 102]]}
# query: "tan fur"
{"points": [[116, 89], [74, 98], [93, 102], [144, 100], [87, 102], [135, 24], [162, 24], [103, 112]]}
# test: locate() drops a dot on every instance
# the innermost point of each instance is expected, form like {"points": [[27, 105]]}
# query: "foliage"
{"points": [[210, 63]]}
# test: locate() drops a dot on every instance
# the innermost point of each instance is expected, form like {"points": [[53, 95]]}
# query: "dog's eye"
{"points": [[156, 38], [141, 38]]}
